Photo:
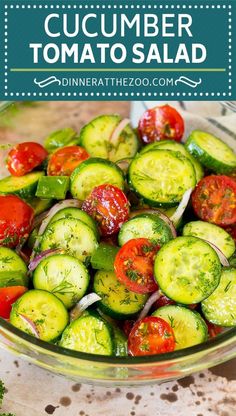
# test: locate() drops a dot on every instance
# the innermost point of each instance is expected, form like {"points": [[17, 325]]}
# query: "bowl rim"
{"points": [[228, 337], [178, 355]]}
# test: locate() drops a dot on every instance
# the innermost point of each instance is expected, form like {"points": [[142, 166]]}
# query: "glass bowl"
{"points": [[33, 121]]}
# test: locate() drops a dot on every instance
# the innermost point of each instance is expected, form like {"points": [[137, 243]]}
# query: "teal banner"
{"points": [[118, 50]]}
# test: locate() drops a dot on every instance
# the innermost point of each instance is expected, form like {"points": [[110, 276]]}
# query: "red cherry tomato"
{"points": [[109, 206], [8, 295], [163, 301], [161, 123], [213, 330], [149, 336], [127, 325], [65, 160], [15, 220], [214, 200], [134, 265], [24, 157]]}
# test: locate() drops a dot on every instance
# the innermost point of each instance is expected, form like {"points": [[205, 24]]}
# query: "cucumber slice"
{"points": [[46, 311], [41, 205], [211, 152], [90, 334], [13, 279], [95, 137], [187, 269], [153, 175], [167, 145], [64, 276], [176, 147], [13, 270], [103, 257], [188, 326], [116, 300], [61, 138], [232, 260], [53, 187], [32, 238], [145, 226], [214, 234], [220, 307], [120, 343], [199, 171], [72, 235], [93, 172], [78, 214], [23, 186]]}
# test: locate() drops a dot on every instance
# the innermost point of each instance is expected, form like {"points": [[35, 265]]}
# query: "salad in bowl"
{"points": [[119, 241]]}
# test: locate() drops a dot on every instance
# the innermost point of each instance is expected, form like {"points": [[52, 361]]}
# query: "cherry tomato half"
{"points": [[65, 160], [127, 325], [213, 330], [134, 265], [214, 200], [163, 301], [24, 157], [8, 295], [161, 123], [16, 220], [151, 335], [231, 229], [109, 206]]}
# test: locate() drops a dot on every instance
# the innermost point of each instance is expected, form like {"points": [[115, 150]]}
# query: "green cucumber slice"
{"points": [[95, 137], [94, 172], [176, 147], [32, 238], [77, 214], [232, 260], [72, 235], [55, 187], [61, 138], [116, 300], [220, 307], [188, 326], [13, 270], [90, 334], [13, 279], [212, 233], [46, 311], [153, 175], [212, 152], [64, 276], [103, 257], [145, 226], [187, 269], [23, 186], [120, 343]]}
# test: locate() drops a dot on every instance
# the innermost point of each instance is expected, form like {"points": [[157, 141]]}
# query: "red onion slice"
{"points": [[44, 254], [119, 128], [159, 214], [22, 254], [39, 218], [83, 304], [182, 206], [153, 298], [224, 261], [68, 203], [30, 324], [124, 164]]}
